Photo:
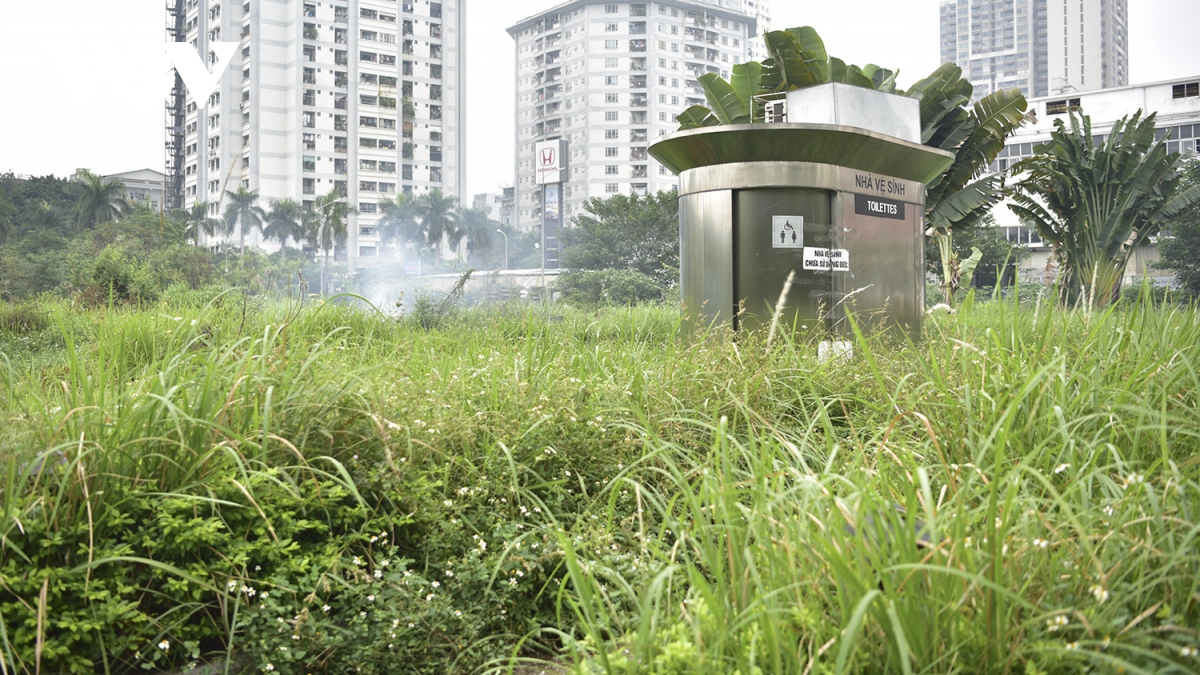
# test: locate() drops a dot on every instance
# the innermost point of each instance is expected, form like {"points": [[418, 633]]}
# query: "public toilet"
{"points": [[834, 191]]}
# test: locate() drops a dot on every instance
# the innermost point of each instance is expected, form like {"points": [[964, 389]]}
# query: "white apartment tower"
{"points": [[1088, 47], [1042, 47], [362, 96], [999, 44], [609, 77]]}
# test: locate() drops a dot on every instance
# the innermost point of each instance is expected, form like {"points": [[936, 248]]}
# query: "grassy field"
{"points": [[277, 487]]}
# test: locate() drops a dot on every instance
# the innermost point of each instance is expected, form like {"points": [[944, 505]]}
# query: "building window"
{"points": [[611, 98], [610, 80], [610, 44], [610, 170], [611, 188], [1062, 107], [610, 116], [610, 152], [1185, 90], [610, 27], [610, 133], [610, 63], [610, 9]]}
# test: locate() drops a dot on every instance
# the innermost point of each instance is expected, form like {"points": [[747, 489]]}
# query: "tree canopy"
{"points": [[633, 235], [1179, 244]]}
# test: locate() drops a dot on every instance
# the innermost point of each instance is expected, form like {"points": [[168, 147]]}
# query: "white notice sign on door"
{"points": [[835, 259], [787, 231]]}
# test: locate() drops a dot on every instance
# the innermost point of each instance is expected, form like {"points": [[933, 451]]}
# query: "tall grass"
{"points": [[1018, 492]]}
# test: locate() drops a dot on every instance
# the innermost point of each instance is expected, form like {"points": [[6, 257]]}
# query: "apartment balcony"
{"points": [[637, 154], [637, 46], [638, 171], [637, 82], [638, 100], [638, 135], [637, 117]]}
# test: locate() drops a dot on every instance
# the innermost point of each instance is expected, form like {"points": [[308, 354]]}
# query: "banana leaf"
{"points": [[724, 101], [695, 117]]}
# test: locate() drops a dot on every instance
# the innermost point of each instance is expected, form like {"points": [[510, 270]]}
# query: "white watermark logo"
{"points": [[200, 82]]}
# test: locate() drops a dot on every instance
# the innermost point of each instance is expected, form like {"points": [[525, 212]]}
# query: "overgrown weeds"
{"points": [[318, 488]]}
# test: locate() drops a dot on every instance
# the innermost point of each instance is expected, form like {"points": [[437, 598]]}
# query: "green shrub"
{"points": [[23, 318], [114, 275], [609, 287]]}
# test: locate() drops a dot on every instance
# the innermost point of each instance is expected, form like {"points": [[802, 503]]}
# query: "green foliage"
{"points": [[594, 288], [98, 200], [623, 233], [989, 239], [1179, 243], [1097, 203], [114, 275], [23, 318], [322, 490]]}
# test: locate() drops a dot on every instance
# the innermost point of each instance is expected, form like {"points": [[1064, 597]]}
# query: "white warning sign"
{"points": [[787, 231], [835, 259]]}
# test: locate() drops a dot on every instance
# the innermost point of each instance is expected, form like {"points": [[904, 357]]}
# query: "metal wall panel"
{"points": [[760, 270], [706, 259], [886, 283]]}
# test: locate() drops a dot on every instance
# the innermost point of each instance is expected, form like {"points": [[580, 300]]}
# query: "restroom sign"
{"points": [[787, 231], [826, 259]]}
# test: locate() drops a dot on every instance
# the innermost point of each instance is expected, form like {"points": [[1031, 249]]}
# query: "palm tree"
{"points": [[327, 229], [475, 227], [43, 217], [284, 223], [99, 200], [438, 212], [399, 222], [1097, 203], [244, 213], [196, 222]]}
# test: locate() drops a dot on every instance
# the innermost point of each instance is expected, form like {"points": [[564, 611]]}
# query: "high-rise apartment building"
{"points": [[999, 44], [1088, 47], [609, 77], [1042, 47], [362, 96]]}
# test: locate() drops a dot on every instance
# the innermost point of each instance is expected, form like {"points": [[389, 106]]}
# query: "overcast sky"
{"points": [[83, 82]]}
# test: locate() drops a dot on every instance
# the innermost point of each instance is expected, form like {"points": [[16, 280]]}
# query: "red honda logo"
{"points": [[548, 157]]}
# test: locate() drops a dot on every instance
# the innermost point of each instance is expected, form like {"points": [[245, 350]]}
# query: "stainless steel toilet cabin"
{"points": [[835, 194]]}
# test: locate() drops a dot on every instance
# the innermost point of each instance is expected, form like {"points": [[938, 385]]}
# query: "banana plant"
{"points": [[1095, 204], [960, 197], [798, 60]]}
